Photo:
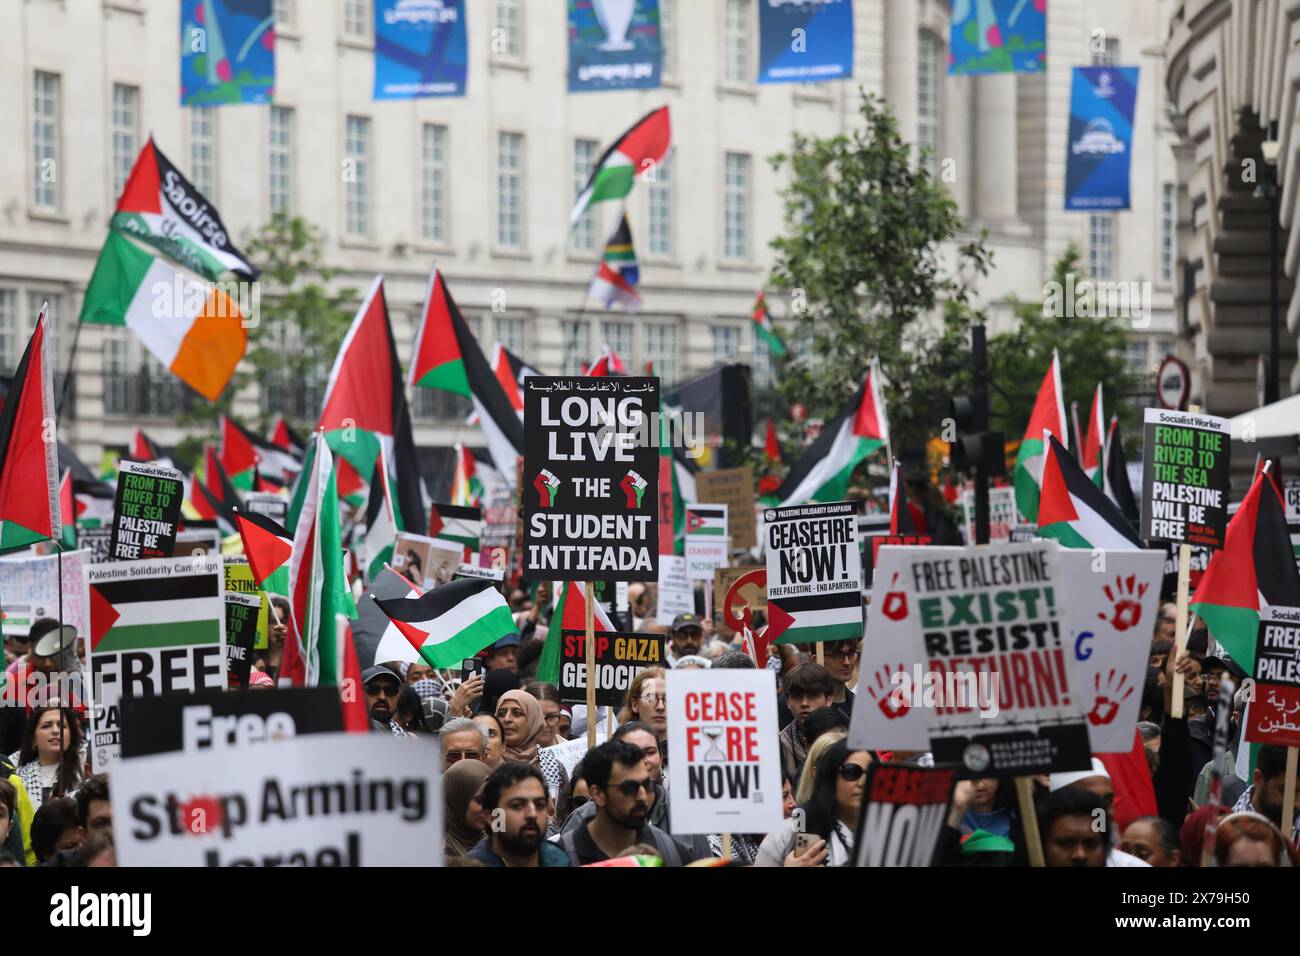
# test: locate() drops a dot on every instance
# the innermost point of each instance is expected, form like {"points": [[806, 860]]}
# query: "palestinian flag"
{"points": [[67, 511], [377, 638], [570, 613], [764, 330], [447, 356], [161, 208], [676, 488], [466, 488], [518, 367], [1075, 511], [238, 455], [615, 282], [144, 448], [607, 364], [215, 497], [284, 438], [1117, 486], [860, 430], [92, 498], [365, 406], [1048, 415], [267, 545], [706, 520], [771, 446], [195, 330], [453, 621], [1256, 566], [29, 455], [380, 525], [185, 608], [356, 718], [454, 523], [901, 519], [503, 370], [1093, 443], [317, 581], [641, 148]]}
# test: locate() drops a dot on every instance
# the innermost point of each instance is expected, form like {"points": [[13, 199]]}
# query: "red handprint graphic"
{"points": [[1125, 596], [1106, 706], [889, 693], [895, 605]]}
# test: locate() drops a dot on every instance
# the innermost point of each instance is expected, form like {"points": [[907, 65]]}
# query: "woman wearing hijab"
{"points": [[523, 723], [465, 822]]}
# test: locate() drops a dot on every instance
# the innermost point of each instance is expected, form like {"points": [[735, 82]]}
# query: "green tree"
{"points": [[300, 325]]}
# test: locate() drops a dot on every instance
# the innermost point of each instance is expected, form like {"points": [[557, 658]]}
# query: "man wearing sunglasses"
{"points": [[382, 687], [622, 790]]}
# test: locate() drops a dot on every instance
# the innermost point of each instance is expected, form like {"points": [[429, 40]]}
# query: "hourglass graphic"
{"points": [[715, 752]]}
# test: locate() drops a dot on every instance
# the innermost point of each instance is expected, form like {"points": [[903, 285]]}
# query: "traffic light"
{"points": [[975, 445]]}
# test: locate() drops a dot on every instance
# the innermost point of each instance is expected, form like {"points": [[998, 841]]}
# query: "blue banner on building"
{"points": [[805, 41], [227, 52], [420, 49], [1101, 137], [998, 36], [614, 45]]}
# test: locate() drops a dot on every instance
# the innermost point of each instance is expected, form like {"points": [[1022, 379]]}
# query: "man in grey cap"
{"points": [[382, 687], [686, 637], [503, 655]]}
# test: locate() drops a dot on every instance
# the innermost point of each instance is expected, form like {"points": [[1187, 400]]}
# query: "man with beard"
{"points": [[1068, 820], [622, 788], [515, 801], [1268, 787], [382, 686], [686, 637]]}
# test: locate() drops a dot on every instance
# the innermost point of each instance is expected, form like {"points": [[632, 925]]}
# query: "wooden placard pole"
{"points": [[1029, 820], [726, 843], [821, 654], [1288, 795], [589, 644], [1180, 618]]}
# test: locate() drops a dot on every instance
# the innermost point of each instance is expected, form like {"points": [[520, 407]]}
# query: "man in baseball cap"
{"points": [[382, 686], [686, 637], [503, 655]]}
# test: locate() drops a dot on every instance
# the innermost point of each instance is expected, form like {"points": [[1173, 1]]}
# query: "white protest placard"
{"points": [[1112, 598], [882, 719], [1291, 497], [676, 595], [29, 589], [725, 775], [706, 540], [570, 752], [1002, 514], [814, 573], [156, 627], [317, 800]]}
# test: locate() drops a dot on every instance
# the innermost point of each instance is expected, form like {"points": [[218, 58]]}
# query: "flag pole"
{"points": [[1180, 617], [589, 646], [1029, 820], [1288, 795]]}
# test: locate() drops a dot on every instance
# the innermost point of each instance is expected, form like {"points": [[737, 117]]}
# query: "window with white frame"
{"points": [[512, 333], [1138, 357], [726, 343], [357, 154], [126, 119], [661, 349], [356, 19], [931, 67], [574, 337], [736, 41], [668, 38], [762, 367], [585, 152], [1167, 223], [11, 332], [279, 162], [509, 38], [203, 151], [735, 208], [619, 336], [45, 140], [433, 182], [659, 200], [510, 190], [1101, 245], [1109, 55]]}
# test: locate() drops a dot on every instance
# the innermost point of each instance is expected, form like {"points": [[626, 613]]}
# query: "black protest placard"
{"points": [[242, 611], [591, 477], [146, 511], [619, 658], [1185, 459], [217, 720], [902, 817], [1273, 716]]}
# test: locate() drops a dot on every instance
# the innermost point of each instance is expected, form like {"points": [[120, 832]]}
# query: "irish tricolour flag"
{"points": [[860, 429], [453, 621], [635, 154], [1048, 415], [1075, 511]]}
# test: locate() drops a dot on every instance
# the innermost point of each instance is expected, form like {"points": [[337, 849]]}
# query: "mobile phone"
{"points": [[470, 667], [803, 841]]}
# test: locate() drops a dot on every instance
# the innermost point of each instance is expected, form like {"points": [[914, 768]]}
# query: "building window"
{"points": [[661, 349], [1108, 57], [283, 12], [659, 192], [735, 211], [512, 333], [619, 337], [726, 343], [509, 38], [584, 158], [280, 160], [930, 70], [736, 42], [1167, 224], [577, 349], [433, 183], [45, 140], [1138, 357], [762, 368], [668, 38], [356, 19], [126, 110], [1101, 245], [11, 332], [358, 182], [510, 190], [203, 151]]}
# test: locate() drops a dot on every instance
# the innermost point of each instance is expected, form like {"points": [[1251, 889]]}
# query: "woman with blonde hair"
{"points": [[646, 702], [807, 779]]}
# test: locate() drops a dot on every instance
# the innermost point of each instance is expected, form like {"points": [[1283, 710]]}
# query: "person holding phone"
{"points": [[823, 834]]}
